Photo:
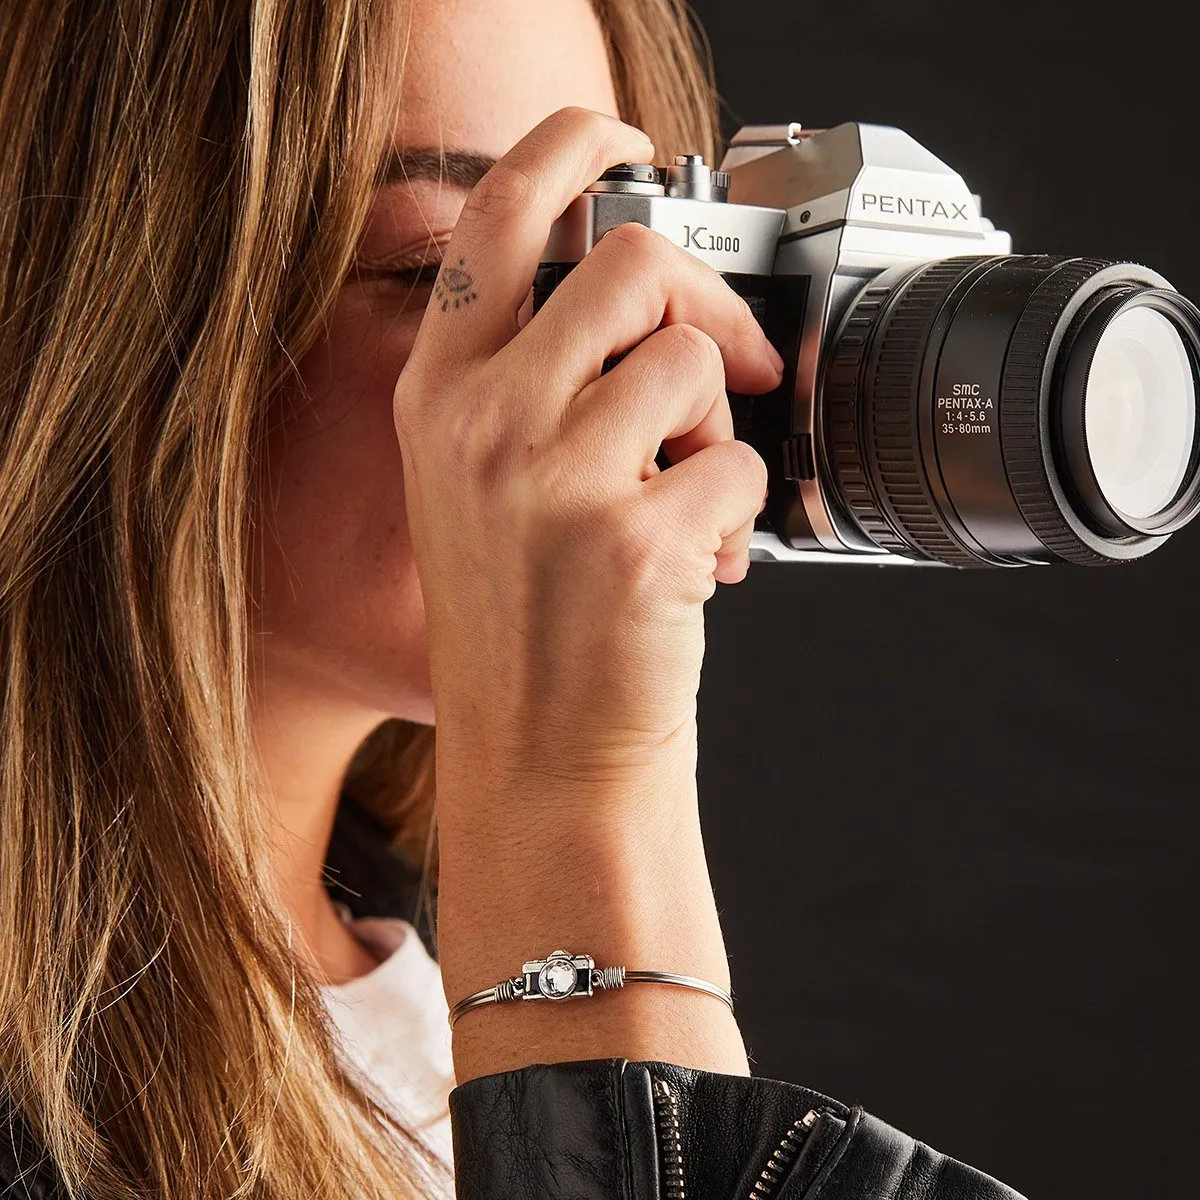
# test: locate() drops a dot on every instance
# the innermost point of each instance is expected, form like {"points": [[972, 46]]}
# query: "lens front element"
{"points": [[1139, 412]]}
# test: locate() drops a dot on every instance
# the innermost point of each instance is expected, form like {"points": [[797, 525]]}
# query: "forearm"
{"points": [[615, 870]]}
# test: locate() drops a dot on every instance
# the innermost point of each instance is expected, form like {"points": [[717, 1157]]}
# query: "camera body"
{"points": [[942, 400]]}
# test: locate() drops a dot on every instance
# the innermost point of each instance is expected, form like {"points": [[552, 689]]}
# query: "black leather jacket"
{"points": [[611, 1129]]}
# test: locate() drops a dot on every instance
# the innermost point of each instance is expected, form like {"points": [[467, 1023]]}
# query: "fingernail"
{"points": [[776, 359]]}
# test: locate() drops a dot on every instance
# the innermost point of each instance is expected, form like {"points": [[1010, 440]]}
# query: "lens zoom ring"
{"points": [[1020, 411], [878, 393]]}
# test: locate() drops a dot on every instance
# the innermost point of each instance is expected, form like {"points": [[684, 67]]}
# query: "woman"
{"points": [[277, 497]]}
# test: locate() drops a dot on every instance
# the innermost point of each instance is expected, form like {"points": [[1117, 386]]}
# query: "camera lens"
{"points": [[1014, 409]]}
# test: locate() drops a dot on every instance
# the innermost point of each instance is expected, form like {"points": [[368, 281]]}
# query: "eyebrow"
{"points": [[460, 168]]}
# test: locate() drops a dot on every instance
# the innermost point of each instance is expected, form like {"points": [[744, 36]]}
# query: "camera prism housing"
{"points": [[944, 400]]}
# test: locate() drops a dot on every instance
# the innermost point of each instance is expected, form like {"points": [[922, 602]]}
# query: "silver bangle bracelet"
{"points": [[563, 976]]}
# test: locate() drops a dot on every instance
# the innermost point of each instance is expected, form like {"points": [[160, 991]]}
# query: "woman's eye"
{"points": [[403, 281], [416, 277]]}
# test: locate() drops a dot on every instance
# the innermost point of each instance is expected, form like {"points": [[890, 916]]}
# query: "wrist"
{"points": [[528, 882], [493, 757], [486, 780]]}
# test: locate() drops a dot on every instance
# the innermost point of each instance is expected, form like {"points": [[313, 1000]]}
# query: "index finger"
{"points": [[493, 254]]}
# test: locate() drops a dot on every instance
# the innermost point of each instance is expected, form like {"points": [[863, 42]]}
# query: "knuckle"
{"points": [[750, 464], [475, 441], [702, 354], [410, 408], [634, 239], [507, 188], [466, 435], [578, 120], [586, 126], [619, 539], [404, 414], [634, 545], [639, 260]]}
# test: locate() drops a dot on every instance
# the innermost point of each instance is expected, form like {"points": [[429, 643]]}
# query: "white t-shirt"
{"points": [[393, 1024]]}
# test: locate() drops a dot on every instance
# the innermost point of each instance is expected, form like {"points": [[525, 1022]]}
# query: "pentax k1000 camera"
{"points": [[944, 400]]}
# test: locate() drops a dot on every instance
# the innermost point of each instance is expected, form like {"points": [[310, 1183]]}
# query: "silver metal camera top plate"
{"points": [[738, 238]]}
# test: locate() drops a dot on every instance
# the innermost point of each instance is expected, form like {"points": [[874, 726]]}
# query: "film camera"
{"points": [[945, 400]]}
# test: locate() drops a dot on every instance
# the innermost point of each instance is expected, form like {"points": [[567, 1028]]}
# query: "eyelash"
{"points": [[416, 277], [422, 274]]}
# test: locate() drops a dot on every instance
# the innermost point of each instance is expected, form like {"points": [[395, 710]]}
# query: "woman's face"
{"points": [[341, 615]]}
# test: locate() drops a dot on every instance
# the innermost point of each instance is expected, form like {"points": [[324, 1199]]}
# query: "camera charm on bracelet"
{"points": [[563, 976]]}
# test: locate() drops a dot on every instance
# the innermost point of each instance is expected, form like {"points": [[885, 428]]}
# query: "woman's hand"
{"points": [[564, 578], [563, 574]]}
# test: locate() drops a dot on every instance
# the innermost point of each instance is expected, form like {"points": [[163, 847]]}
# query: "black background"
{"points": [[952, 816]]}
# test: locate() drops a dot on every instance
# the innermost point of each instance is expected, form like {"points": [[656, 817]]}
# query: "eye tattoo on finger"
{"points": [[455, 285]]}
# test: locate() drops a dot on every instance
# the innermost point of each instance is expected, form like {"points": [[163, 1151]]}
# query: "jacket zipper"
{"points": [[783, 1156], [670, 1147], [670, 1141]]}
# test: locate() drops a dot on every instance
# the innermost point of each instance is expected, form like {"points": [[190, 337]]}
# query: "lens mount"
{"points": [[955, 420]]}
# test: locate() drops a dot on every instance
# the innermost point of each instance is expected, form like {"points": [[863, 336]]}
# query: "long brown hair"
{"points": [[182, 187]]}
